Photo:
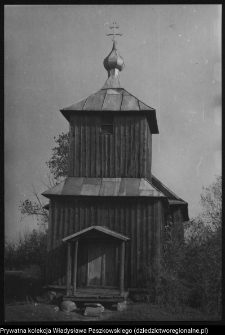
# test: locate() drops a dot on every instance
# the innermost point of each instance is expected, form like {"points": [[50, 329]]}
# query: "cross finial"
{"points": [[114, 25]]}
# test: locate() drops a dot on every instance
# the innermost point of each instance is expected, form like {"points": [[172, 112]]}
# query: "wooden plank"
{"points": [[122, 216], [49, 242], [71, 216], [132, 147], [81, 216], [95, 299], [71, 148], [138, 243], [61, 221], [144, 233], [94, 263], [116, 217], [141, 129], [93, 220], [75, 267], [68, 270], [137, 146], [99, 212], [111, 156], [109, 250], [116, 148], [127, 233], [88, 144], [107, 155], [117, 263], [93, 145], [83, 147], [66, 219], [127, 140], [55, 225], [102, 146], [122, 264], [97, 152], [105, 215], [87, 214], [76, 224], [122, 146], [77, 154], [103, 271], [158, 231], [151, 231], [133, 246], [59, 242]]}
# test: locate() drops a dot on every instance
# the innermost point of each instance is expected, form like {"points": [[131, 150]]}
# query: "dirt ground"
{"points": [[44, 311]]}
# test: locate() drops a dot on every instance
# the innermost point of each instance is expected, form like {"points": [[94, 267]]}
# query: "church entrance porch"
{"points": [[95, 264]]}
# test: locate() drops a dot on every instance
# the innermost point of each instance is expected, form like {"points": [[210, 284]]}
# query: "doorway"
{"points": [[102, 269]]}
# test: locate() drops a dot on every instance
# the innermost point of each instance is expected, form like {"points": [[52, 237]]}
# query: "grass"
{"points": [[15, 312], [27, 285]]}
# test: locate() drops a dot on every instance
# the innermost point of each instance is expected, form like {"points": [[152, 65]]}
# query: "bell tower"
{"points": [[111, 130]]}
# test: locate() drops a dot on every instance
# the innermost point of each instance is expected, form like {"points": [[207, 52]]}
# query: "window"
{"points": [[106, 125]]}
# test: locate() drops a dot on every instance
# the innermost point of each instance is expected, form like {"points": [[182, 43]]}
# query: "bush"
{"points": [[30, 250], [21, 285], [190, 273]]}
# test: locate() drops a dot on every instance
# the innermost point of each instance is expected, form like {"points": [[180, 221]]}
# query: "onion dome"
{"points": [[113, 63], [114, 60]]}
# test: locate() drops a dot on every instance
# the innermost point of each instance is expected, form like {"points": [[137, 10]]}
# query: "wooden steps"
{"points": [[92, 294]]}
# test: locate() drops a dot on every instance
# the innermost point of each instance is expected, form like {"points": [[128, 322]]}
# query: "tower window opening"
{"points": [[106, 125]]}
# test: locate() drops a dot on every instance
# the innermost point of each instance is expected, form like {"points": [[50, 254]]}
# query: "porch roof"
{"points": [[100, 229]]}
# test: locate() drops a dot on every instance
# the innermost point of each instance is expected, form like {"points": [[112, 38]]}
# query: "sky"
{"points": [[54, 57]]}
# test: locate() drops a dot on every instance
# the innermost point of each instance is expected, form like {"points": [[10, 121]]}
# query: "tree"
{"points": [[191, 270], [209, 220], [58, 165]]}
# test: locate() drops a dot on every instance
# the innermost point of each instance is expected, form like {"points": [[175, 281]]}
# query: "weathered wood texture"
{"points": [[125, 153], [142, 220]]}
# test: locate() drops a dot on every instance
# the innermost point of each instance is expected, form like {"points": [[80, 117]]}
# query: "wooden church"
{"points": [[106, 220]]}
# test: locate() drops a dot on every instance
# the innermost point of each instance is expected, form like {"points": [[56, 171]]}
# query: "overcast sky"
{"points": [[54, 57]]}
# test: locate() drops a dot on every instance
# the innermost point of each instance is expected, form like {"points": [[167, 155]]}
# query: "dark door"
{"points": [[102, 264]]}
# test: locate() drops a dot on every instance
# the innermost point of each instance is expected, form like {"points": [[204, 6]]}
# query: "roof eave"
{"points": [[150, 114]]}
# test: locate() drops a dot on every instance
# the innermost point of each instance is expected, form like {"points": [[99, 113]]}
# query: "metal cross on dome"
{"points": [[114, 25]]}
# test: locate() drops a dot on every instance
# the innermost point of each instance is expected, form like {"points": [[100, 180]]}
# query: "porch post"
{"points": [[75, 267], [122, 262], [68, 270]]}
